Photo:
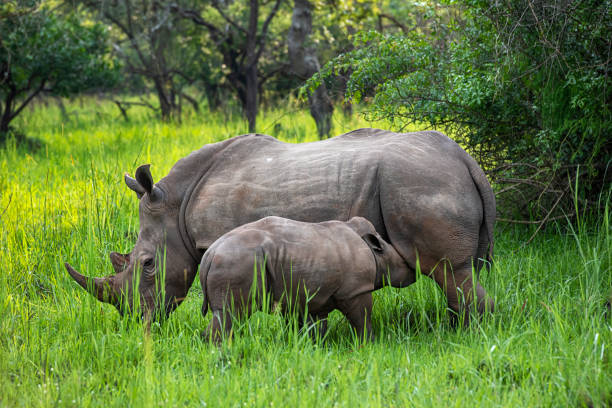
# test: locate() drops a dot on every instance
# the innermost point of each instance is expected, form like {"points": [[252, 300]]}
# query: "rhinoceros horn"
{"points": [[119, 261], [101, 288]]}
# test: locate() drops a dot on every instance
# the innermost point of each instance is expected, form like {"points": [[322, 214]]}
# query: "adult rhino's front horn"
{"points": [[101, 288]]}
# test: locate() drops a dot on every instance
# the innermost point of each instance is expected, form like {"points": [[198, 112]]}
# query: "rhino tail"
{"points": [[204, 268], [485, 236]]}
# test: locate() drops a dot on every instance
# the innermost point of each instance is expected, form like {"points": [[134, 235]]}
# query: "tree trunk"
{"points": [[304, 63], [347, 106], [165, 104], [251, 67], [251, 97], [213, 96], [194, 103], [5, 119], [321, 109]]}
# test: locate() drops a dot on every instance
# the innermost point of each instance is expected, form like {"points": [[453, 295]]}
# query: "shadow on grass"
{"points": [[17, 139]]}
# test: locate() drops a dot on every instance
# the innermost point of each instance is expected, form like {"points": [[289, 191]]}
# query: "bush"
{"points": [[523, 85], [40, 52]]}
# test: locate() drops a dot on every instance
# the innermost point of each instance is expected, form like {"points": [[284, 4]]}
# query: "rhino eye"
{"points": [[148, 263]]}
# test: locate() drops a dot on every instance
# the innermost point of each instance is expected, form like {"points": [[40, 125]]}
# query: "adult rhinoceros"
{"points": [[423, 193]]}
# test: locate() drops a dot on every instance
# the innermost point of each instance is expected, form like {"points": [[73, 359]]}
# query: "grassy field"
{"points": [[548, 343]]}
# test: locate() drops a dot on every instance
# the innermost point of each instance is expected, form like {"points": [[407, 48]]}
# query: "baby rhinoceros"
{"points": [[326, 266]]}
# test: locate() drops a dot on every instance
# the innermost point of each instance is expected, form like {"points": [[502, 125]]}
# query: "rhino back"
{"points": [[333, 179]]}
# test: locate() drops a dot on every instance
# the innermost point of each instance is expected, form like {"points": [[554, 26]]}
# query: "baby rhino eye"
{"points": [[148, 263]]}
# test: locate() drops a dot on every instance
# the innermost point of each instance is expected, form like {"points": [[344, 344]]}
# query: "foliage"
{"points": [[40, 52], [241, 34], [523, 85], [549, 343], [159, 50]]}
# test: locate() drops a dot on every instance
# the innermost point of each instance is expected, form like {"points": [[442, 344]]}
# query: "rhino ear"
{"points": [[134, 185], [145, 180], [143, 176], [373, 242]]}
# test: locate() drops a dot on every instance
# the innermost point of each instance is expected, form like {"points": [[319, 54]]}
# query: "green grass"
{"points": [[548, 343]]}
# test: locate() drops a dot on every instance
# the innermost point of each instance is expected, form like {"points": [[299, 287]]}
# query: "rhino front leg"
{"points": [[358, 311]]}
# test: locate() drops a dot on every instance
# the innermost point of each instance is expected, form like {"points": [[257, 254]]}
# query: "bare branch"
{"points": [[560, 217], [545, 219], [192, 101], [122, 109], [196, 18], [215, 4], [395, 21], [7, 205], [129, 34], [27, 100], [264, 29], [180, 73]]}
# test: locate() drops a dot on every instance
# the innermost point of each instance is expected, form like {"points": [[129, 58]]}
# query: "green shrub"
{"points": [[523, 85], [41, 53]]}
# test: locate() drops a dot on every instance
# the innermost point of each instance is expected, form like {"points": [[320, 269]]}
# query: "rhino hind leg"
{"points": [[316, 325], [464, 293], [358, 311], [321, 324]]}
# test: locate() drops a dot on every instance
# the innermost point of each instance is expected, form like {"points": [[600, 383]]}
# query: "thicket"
{"points": [[523, 85], [41, 52], [183, 53]]}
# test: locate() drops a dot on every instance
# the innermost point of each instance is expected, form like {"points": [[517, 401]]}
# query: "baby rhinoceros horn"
{"points": [[101, 288]]}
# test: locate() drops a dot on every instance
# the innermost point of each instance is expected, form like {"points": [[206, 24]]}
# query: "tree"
{"points": [[304, 63], [241, 45], [523, 85], [153, 45], [40, 52]]}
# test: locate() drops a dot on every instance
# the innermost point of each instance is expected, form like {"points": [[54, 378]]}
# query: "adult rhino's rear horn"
{"points": [[101, 288], [119, 261]]}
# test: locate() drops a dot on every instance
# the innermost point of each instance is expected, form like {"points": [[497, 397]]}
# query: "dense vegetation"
{"points": [[40, 53], [524, 85], [548, 344]]}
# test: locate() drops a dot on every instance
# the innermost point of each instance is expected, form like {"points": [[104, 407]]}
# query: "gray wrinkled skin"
{"points": [[421, 191], [329, 265]]}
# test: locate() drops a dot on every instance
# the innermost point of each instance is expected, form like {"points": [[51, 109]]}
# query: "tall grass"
{"points": [[548, 343]]}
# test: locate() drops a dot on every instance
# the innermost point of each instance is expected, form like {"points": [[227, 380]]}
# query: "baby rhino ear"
{"points": [[373, 242]]}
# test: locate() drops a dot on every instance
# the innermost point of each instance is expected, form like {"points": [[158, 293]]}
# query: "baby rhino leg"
{"points": [[358, 311], [229, 297], [220, 326]]}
